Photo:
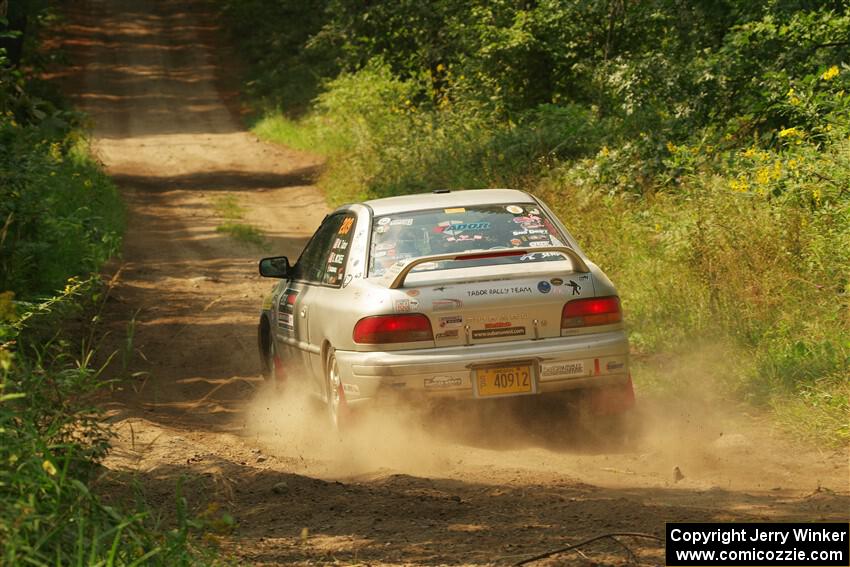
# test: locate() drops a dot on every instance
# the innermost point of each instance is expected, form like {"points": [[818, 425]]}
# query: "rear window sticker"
{"points": [[515, 209], [340, 244], [382, 229], [405, 222], [520, 232], [384, 221], [455, 210], [534, 211], [539, 243], [385, 246], [332, 269], [516, 241]]}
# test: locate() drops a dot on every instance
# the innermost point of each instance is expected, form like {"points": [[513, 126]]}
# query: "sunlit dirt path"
{"points": [[156, 79]]}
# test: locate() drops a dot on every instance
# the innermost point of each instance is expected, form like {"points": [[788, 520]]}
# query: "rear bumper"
{"points": [[562, 363]]}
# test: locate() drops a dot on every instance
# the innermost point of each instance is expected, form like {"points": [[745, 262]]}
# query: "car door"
{"points": [[311, 275]]}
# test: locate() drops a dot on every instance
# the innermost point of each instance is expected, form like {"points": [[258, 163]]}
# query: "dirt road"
{"points": [[156, 80]]}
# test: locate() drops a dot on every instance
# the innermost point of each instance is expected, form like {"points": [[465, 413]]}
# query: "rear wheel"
{"points": [[336, 406]]}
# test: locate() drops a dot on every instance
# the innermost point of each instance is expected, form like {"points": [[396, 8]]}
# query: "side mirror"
{"points": [[275, 267]]}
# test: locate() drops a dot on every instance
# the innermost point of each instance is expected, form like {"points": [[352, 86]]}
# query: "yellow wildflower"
{"points": [[671, 147], [49, 468], [830, 73], [792, 131], [750, 152]]}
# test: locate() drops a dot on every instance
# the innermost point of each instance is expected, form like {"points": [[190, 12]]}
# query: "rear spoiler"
{"points": [[398, 272]]}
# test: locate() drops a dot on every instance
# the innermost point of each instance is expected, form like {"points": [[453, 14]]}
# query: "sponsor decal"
{"points": [[454, 228], [451, 321], [534, 211], [534, 256], [340, 244], [614, 366], [463, 237], [531, 225], [497, 325], [518, 290], [427, 266], [405, 222], [454, 211], [384, 221], [556, 281], [381, 229], [450, 334], [406, 305], [351, 388], [538, 231], [332, 269], [412, 292], [521, 220], [544, 287], [516, 241], [494, 318], [572, 368], [539, 243], [515, 209], [446, 304], [441, 288], [286, 321], [267, 302], [493, 333], [336, 258], [584, 277], [385, 246], [443, 382], [575, 287]]}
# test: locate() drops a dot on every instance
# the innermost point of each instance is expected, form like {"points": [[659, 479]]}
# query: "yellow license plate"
{"points": [[504, 380]]}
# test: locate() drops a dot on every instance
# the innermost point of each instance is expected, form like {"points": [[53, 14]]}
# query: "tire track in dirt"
{"points": [[155, 78]]}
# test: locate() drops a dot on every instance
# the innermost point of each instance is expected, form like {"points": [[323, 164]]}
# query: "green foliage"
{"points": [[52, 436], [61, 216], [229, 209]]}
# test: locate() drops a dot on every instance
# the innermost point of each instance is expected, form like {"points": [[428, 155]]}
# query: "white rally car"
{"points": [[453, 294]]}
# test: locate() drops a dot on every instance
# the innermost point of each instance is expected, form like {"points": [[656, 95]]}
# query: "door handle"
{"points": [[303, 312]]}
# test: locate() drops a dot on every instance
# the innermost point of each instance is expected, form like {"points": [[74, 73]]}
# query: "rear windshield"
{"points": [[444, 231]]}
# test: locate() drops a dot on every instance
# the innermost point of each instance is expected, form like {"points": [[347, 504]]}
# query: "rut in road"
{"points": [[157, 80]]}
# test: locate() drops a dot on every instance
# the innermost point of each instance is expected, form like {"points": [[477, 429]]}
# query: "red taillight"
{"points": [[589, 312], [382, 329]]}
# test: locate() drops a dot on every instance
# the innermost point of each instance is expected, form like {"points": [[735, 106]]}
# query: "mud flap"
{"points": [[612, 400], [279, 371]]}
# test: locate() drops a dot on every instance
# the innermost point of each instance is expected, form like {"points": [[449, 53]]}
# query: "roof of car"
{"points": [[424, 201]]}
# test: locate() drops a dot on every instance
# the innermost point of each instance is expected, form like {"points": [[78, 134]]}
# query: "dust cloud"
{"points": [[393, 437], [686, 432]]}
